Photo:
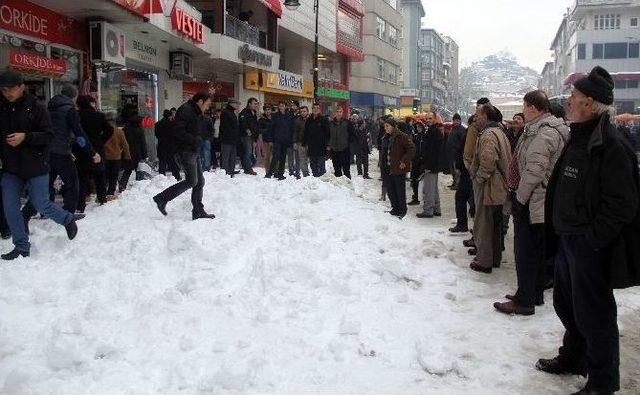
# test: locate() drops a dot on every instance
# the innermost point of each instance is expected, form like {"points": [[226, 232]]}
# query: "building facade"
{"points": [[452, 74], [433, 90], [375, 85], [412, 14], [604, 33]]}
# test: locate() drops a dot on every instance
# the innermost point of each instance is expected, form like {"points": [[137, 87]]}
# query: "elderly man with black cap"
{"points": [[26, 132], [594, 231]]}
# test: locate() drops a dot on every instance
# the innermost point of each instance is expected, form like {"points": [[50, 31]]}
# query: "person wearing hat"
{"points": [[187, 137], [592, 203], [27, 133], [397, 152]]}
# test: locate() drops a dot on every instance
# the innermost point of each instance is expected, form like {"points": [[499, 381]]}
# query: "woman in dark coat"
{"points": [[137, 147]]}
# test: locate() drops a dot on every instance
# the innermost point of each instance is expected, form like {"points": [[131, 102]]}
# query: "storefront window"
{"points": [[135, 90], [72, 76]]}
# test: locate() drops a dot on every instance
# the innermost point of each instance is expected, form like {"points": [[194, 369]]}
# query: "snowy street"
{"points": [[296, 287]]}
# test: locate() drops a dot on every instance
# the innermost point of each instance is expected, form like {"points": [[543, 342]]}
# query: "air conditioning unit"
{"points": [[181, 65], [107, 45]]}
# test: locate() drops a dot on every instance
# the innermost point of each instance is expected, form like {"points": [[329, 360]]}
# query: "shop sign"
{"points": [[246, 54], [333, 93], [37, 63], [187, 25], [34, 21], [390, 101], [140, 49], [285, 81]]}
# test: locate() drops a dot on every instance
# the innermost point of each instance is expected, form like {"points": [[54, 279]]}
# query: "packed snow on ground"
{"points": [[296, 287]]}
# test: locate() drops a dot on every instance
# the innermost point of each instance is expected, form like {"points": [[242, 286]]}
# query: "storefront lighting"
{"points": [[292, 5]]}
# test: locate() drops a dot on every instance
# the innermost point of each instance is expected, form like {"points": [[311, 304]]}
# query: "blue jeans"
{"points": [[247, 152], [205, 155], [193, 179], [12, 188]]}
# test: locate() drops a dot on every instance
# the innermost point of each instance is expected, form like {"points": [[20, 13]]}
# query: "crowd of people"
{"points": [[569, 183]]}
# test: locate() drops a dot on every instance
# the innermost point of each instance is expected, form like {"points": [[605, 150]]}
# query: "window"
{"points": [[634, 22], [633, 50], [381, 27], [598, 50], [582, 51], [632, 84], [615, 50], [393, 36], [381, 68], [606, 22], [620, 84], [393, 78]]}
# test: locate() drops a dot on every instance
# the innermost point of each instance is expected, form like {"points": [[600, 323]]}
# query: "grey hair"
{"points": [[599, 108]]}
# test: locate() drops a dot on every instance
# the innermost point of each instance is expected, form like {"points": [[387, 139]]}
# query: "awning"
{"points": [[274, 6]]}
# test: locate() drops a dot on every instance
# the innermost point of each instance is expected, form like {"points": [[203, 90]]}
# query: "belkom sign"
{"points": [[187, 25]]}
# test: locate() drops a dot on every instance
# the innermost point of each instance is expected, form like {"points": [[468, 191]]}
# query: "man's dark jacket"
{"points": [[164, 133], [187, 128], [432, 148], [316, 135], [282, 128], [610, 202], [97, 128], [67, 127], [264, 128], [248, 120], [229, 127], [30, 158]]}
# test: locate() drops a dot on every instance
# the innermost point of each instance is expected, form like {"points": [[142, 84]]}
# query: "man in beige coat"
{"points": [[488, 171], [536, 154]]}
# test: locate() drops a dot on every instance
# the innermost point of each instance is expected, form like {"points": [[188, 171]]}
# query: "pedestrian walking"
{"points": [[187, 126], [116, 152], [137, 147], [166, 146]]}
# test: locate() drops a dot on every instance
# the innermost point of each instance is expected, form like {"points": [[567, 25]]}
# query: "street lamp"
{"points": [[293, 6]]}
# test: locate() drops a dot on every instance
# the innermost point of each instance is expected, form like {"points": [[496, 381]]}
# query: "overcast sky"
{"points": [[484, 27]]}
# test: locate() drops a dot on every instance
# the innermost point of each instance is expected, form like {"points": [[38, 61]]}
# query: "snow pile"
{"points": [[296, 286]]}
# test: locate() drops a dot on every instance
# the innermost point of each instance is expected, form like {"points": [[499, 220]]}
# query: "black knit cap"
{"points": [[456, 116], [598, 85], [10, 78]]}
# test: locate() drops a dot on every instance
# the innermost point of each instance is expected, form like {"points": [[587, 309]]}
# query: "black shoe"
{"points": [[413, 203], [236, 172], [5, 235], [392, 213], [473, 251], [477, 268], [401, 216], [162, 205], [366, 177], [79, 216], [72, 229], [267, 175], [201, 214], [469, 243], [539, 301], [280, 178], [423, 215], [437, 214], [549, 284], [14, 254], [558, 366], [459, 229], [250, 172]]}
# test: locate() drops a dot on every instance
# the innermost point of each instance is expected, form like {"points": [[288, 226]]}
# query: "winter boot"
{"points": [[162, 205], [414, 202], [459, 229], [14, 254], [560, 366], [201, 214], [72, 229]]}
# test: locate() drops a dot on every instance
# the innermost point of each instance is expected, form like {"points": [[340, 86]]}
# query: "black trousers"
{"points": [[464, 194], [341, 163], [193, 179], [128, 168], [416, 172], [397, 192], [362, 162], [4, 226], [586, 306], [528, 247], [96, 173], [167, 162], [112, 171], [317, 164], [278, 160]]}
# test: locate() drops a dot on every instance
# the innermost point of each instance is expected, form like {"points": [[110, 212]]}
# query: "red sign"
{"points": [[34, 21], [37, 63], [187, 25]]}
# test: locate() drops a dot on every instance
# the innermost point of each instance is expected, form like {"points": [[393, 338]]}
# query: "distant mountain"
{"points": [[496, 76]]}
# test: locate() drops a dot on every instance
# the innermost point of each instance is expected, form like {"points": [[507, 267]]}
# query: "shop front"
{"points": [[374, 105], [280, 86], [47, 47], [222, 91]]}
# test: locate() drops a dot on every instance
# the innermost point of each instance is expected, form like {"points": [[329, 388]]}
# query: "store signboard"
{"points": [[141, 49], [187, 25], [36, 63], [333, 93], [285, 81], [26, 18], [247, 54]]}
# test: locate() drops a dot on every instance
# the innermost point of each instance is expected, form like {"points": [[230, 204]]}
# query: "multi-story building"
{"points": [[547, 79], [432, 70], [605, 33], [412, 14], [375, 85], [452, 74]]}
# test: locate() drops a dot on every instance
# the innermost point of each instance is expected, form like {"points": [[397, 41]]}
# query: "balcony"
{"points": [[244, 32]]}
